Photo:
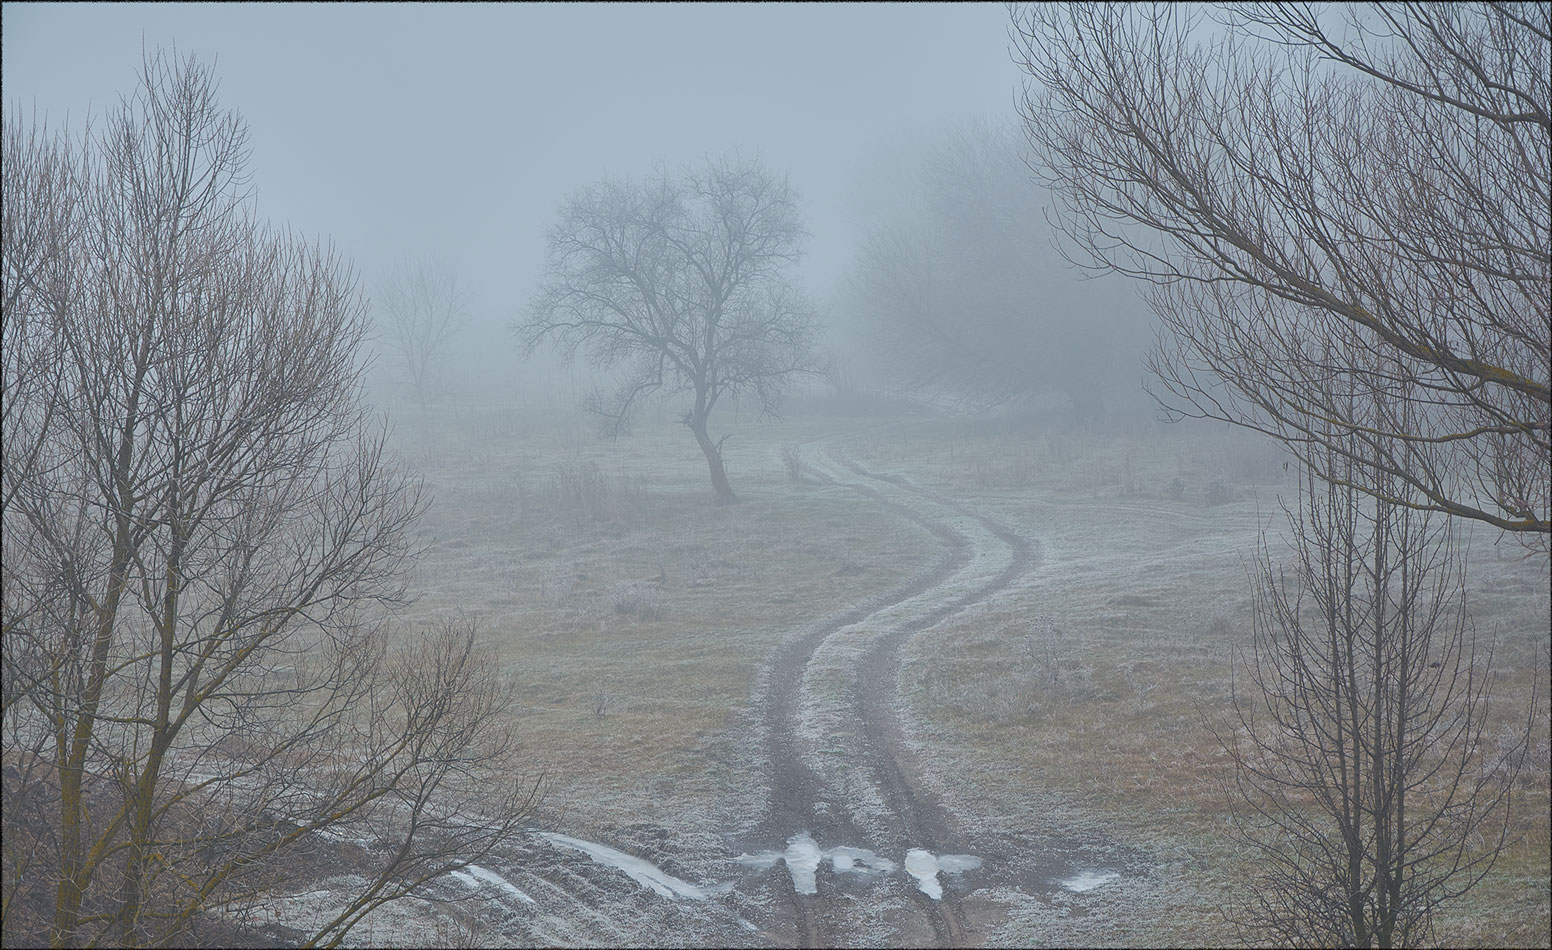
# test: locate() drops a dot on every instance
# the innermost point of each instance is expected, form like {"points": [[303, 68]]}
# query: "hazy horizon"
{"points": [[413, 131]]}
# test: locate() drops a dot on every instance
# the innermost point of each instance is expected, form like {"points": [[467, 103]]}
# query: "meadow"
{"points": [[635, 619]]}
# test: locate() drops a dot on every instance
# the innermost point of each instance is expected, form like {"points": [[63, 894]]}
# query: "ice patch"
{"points": [[761, 861], [642, 872], [1088, 880], [473, 875], [803, 857], [957, 863], [847, 859]]}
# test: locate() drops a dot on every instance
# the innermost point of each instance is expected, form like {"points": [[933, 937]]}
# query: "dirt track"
{"points": [[837, 764]]}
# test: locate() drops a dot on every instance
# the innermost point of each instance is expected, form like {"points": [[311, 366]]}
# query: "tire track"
{"points": [[795, 788], [803, 796]]}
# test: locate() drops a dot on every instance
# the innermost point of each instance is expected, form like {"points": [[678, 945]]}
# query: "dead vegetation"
{"points": [[1082, 692]]}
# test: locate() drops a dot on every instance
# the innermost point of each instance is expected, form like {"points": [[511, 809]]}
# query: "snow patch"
{"points": [[846, 859], [849, 859], [1088, 880], [803, 857], [924, 866], [474, 876], [642, 872], [761, 861]]}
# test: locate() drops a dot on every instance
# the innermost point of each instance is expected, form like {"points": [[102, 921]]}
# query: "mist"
{"points": [[774, 475], [407, 131]]}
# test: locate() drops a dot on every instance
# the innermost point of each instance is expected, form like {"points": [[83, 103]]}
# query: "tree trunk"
{"points": [[713, 450]]}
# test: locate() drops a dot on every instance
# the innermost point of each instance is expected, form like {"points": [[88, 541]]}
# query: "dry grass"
{"points": [[635, 616]]}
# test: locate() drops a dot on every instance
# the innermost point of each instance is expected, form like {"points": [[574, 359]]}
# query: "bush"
{"points": [[791, 461], [1219, 492], [640, 600], [582, 485]]}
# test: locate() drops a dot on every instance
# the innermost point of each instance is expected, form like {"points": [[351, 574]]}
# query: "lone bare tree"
{"points": [[683, 281], [1298, 175], [421, 307], [1367, 788], [200, 526]]}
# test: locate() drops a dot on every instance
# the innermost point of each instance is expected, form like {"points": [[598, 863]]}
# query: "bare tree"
{"points": [[200, 526], [1366, 787], [1293, 177], [682, 281], [422, 307], [960, 297]]}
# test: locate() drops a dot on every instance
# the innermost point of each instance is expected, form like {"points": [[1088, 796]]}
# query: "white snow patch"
{"points": [[924, 866], [847, 859], [1088, 880], [803, 857], [473, 876], [642, 872]]}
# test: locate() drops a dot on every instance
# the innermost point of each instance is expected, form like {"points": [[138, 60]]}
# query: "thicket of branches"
{"points": [[1344, 219], [1286, 176], [201, 531]]}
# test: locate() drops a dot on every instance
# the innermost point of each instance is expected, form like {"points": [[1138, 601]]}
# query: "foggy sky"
{"points": [[455, 130]]}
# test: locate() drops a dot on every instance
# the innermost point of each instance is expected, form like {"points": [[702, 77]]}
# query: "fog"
{"points": [[454, 131], [774, 475]]}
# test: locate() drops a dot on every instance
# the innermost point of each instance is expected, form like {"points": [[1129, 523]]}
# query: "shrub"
{"points": [[639, 600], [582, 485], [791, 461], [1219, 492]]}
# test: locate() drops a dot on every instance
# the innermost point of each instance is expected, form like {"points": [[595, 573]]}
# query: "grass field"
{"points": [[635, 617], [1093, 691], [635, 613]]}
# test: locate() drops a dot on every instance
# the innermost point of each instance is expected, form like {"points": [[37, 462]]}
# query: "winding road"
{"points": [[849, 845], [843, 782]]}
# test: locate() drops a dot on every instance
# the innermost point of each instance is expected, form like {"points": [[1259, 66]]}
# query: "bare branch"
{"points": [[1287, 182]]}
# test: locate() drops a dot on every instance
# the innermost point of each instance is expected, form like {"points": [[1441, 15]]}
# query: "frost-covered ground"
{"points": [[1041, 708]]}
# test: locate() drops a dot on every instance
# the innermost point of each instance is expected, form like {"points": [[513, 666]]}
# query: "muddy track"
{"points": [[839, 768]]}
